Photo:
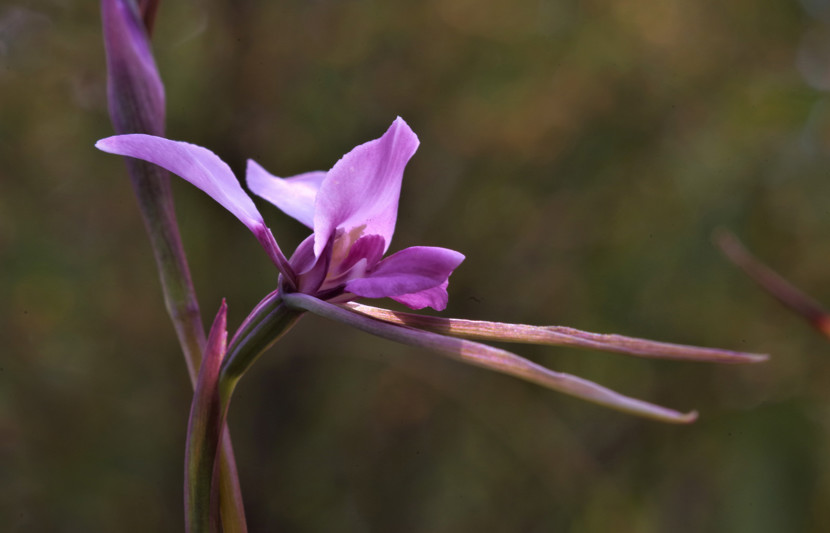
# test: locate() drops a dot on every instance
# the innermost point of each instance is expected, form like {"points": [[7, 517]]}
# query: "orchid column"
{"points": [[137, 105]]}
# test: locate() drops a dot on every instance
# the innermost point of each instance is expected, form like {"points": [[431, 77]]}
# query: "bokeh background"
{"points": [[580, 153]]}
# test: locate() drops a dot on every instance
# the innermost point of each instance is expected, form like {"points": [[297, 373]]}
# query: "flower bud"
{"points": [[134, 88]]}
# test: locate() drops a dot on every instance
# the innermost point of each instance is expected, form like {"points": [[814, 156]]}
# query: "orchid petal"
{"points": [[302, 260], [198, 165], [409, 271], [490, 358], [205, 170], [312, 270], [363, 187], [557, 336], [435, 297], [293, 196]]}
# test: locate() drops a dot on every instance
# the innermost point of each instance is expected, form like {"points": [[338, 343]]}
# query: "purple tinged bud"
{"points": [[134, 88]]}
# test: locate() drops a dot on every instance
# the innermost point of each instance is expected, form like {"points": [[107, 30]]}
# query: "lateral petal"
{"points": [[205, 170], [409, 271], [198, 165], [363, 187], [294, 196]]}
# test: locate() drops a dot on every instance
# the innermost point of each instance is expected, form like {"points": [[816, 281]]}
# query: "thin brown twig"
{"points": [[772, 282]]}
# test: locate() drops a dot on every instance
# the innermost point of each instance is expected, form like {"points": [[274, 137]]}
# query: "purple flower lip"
{"points": [[352, 210]]}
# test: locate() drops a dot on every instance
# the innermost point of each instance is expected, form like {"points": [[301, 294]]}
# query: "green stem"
{"points": [[269, 321], [218, 378], [152, 188], [156, 204], [137, 106]]}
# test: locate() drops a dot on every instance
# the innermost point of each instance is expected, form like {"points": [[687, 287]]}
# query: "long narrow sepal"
{"points": [[773, 283], [557, 336], [491, 358], [204, 431]]}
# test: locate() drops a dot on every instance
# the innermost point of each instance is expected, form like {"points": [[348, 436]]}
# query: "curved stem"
{"points": [[264, 326]]}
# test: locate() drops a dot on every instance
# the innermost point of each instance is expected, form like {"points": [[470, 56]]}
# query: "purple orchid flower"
{"points": [[352, 210]]}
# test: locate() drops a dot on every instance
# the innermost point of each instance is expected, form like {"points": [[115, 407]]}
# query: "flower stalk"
{"points": [[264, 326], [137, 105]]}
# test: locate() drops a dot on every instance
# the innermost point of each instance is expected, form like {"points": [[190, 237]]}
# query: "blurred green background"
{"points": [[580, 153]]}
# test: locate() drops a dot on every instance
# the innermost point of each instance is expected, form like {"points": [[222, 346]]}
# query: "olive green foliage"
{"points": [[579, 154]]}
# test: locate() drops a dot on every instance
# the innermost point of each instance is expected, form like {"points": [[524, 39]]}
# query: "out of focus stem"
{"points": [[773, 283], [152, 188]]}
